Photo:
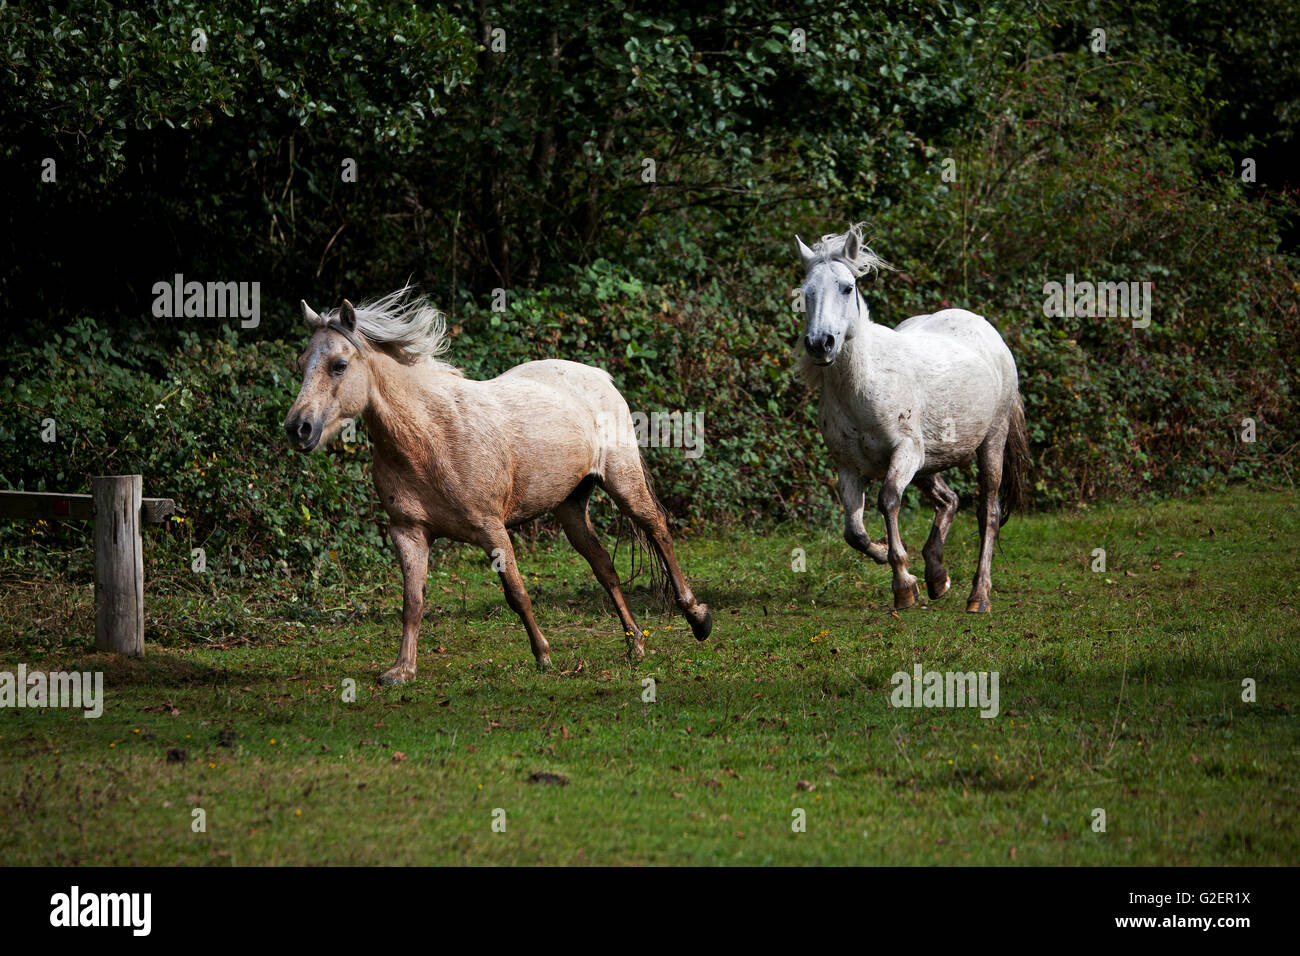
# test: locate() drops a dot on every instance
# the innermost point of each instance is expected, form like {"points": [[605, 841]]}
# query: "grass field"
{"points": [[1119, 690]]}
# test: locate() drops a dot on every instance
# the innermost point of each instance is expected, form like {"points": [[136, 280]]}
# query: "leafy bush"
{"points": [[1070, 177], [519, 170], [206, 432]]}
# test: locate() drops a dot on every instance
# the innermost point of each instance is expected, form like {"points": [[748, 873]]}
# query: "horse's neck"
{"points": [[850, 374], [401, 413]]}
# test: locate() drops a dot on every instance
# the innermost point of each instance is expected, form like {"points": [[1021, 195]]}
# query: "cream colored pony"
{"points": [[905, 404], [463, 459]]}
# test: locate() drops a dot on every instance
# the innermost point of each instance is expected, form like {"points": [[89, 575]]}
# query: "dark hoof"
{"points": [[907, 597], [636, 648], [938, 589], [978, 606], [703, 628], [395, 676], [544, 663]]}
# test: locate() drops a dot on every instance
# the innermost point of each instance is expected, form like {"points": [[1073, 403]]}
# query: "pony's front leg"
{"points": [[853, 496], [412, 545], [496, 542], [901, 469]]}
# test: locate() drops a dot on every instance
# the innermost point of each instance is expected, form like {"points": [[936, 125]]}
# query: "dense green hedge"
{"points": [[207, 432], [1111, 409], [991, 149]]}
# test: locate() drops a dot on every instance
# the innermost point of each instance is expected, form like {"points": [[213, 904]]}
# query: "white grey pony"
{"points": [[905, 404]]}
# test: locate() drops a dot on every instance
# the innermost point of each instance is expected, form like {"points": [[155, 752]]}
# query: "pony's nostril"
{"points": [[298, 431], [819, 343]]}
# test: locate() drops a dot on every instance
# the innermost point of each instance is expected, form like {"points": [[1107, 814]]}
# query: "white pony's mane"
{"points": [[831, 248], [406, 322]]}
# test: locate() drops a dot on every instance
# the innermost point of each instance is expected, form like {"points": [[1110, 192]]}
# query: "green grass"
{"points": [[1119, 690]]}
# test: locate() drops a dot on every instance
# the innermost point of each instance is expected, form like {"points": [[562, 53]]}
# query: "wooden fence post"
{"points": [[119, 565]]}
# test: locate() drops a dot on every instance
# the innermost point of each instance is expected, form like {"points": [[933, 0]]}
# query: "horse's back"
{"points": [[586, 385], [964, 329], [556, 370], [957, 324], [562, 374], [557, 404]]}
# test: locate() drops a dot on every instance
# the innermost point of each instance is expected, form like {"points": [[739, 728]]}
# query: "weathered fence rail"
{"points": [[118, 510]]}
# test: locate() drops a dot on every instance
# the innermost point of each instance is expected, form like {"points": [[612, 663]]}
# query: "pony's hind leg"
{"points": [[936, 491], [412, 544], [576, 522], [495, 540], [990, 479], [628, 486]]}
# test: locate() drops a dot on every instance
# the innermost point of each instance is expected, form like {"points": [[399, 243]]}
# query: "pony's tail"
{"points": [[1015, 465], [661, 582]]}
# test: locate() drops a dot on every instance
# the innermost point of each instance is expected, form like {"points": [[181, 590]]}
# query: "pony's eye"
{"points": [[339, 367], [845, 289]]}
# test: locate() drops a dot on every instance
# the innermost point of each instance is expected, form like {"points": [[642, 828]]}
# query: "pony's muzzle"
{"points": [[303, 434], [820, 348]]}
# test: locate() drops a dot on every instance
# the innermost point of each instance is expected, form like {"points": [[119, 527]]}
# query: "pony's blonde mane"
{"points": [[831, 247], [411, 328]]}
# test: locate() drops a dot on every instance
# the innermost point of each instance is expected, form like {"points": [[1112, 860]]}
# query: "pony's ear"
{"points": [[852, 246], [310, 317], [806, 255], [348, 316]]}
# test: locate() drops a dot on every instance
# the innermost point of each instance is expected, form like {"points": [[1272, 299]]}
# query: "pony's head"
{"points": [[347, 352], [832, 302], [335, 379]]}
